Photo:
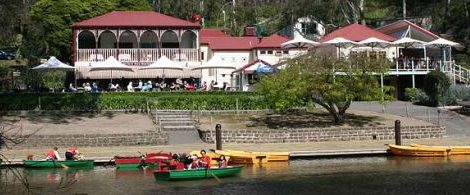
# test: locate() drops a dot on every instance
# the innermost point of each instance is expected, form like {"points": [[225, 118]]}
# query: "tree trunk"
{"points": [[361, 10], [404, 9]]}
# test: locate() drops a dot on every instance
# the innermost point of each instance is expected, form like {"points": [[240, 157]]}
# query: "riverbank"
{"points": [[297, 149]]}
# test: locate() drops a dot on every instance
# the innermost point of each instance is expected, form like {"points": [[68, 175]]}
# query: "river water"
{"points": [[369, 175]]}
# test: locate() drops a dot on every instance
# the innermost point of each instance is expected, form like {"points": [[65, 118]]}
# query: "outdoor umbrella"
{"points": [[264, 68], [409, 43], [214, 63], [375, 42], [164, 63], [110, 64], [54, 64], [299, 41], [340, 42], [441, 44]]}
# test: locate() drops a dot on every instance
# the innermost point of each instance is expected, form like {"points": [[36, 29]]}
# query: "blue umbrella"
{"points": [[263, 68]]}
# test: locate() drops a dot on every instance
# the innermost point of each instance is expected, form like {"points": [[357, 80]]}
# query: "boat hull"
{"points": [[414, 151], [194, 174], [58, 164], [242, 157], [135, 165], [454, 150]]}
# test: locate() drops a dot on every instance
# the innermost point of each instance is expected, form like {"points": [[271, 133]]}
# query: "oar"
{"points": [[216, 178]]}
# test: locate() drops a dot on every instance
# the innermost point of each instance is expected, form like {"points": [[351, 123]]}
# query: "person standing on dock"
{"points": [[53, 154]]}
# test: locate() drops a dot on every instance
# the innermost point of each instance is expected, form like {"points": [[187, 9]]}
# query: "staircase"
{"points": [[458, 74], [179, 125]]}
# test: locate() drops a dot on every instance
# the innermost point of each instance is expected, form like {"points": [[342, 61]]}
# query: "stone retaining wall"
{"points": [[95, 140], [320, 135]]}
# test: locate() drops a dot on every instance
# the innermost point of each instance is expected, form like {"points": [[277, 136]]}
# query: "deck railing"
{"points": [[138, 55]]}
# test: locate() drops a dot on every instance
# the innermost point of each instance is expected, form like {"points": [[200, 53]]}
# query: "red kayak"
{"points": [[136, 161]]}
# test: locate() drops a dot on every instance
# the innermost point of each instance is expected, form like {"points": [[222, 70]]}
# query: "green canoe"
{"points": [[57, 164], [134, 166], [197, 173]]}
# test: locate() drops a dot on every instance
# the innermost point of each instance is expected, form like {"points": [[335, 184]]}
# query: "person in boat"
{"points": [[72, 154], [175, 164], [205, 161], [222, 161], [194, 162], [53, 154]]}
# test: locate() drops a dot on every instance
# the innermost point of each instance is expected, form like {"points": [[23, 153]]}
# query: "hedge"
{"points": [[122, 101]]}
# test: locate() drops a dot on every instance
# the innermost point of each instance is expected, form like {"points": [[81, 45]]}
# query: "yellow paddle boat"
{"points": [[417, 151], [454, 150], [244, 157]]}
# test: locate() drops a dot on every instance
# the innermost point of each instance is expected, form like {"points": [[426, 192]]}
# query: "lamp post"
{"points": [[222, 9]]}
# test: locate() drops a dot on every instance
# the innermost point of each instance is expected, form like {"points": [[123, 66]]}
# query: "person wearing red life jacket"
{"points": [[53, 154], [72, 153], [205, 160]]}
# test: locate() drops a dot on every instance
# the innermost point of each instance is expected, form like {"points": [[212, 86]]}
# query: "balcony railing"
{"points": [[137, 55]]}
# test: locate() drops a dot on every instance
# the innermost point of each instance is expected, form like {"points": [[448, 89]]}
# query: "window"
{"points": [[202, 55], [270, 52], [262, 52], [285, 52], [278, 53]]}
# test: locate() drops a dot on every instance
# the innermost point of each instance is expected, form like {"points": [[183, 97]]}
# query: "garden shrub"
{"points": [[412, 93], [436, 85]]}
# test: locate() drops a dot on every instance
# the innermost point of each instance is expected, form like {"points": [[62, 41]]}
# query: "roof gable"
{"points": [[135, 19], [397, 28], [356, 32]]}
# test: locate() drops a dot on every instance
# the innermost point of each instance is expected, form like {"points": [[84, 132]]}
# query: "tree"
{"points": [[436, 85], [329, 82], [53, 19]]}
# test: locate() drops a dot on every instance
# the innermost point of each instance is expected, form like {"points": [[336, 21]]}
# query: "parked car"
{"points": [[4, 55]]}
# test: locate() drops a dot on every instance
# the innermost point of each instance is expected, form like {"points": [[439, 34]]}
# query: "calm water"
{"points": [[374, 175]]}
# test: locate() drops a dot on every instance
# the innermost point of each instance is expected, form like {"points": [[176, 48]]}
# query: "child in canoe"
{"points": [[205, 161], [222, 161]]}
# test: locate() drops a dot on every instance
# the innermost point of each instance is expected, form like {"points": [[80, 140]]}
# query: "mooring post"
{"points": [[397, 132], [438, 117], [218, 137]]}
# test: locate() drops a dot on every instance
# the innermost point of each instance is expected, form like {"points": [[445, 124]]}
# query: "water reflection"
{"points": [[347, 175]]}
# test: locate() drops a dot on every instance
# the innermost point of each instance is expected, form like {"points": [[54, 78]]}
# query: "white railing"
{"points": [[137, 55]]}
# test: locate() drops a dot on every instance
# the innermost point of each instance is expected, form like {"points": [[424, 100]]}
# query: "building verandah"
{"points": [[136, 46]]}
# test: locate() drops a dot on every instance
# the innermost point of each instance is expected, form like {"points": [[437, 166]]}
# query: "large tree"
{"points": [[329, 82], [52, 20]]}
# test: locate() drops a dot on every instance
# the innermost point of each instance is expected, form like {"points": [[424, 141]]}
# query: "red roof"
{"points": [[402, 24], [230, 43], [273, 41], [356, 32], [219, 42], [135, 19], [211, 33]]}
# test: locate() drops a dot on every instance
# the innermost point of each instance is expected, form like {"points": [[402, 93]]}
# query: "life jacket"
{"points": [[51, 154], [207, 160], [72, 151]]}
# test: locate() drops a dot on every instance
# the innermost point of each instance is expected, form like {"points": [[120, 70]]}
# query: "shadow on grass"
{"points": [[311, 120]]}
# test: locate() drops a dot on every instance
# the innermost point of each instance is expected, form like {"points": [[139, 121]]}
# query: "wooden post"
{"points": [[438, 117], [39, 102], [236, 105], [218, 137], [429, 116], [397, 132], [406, 109]]}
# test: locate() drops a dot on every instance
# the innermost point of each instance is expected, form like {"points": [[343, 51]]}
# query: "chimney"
{"points": [[249, 31], [196, 18], [260, 38]]}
